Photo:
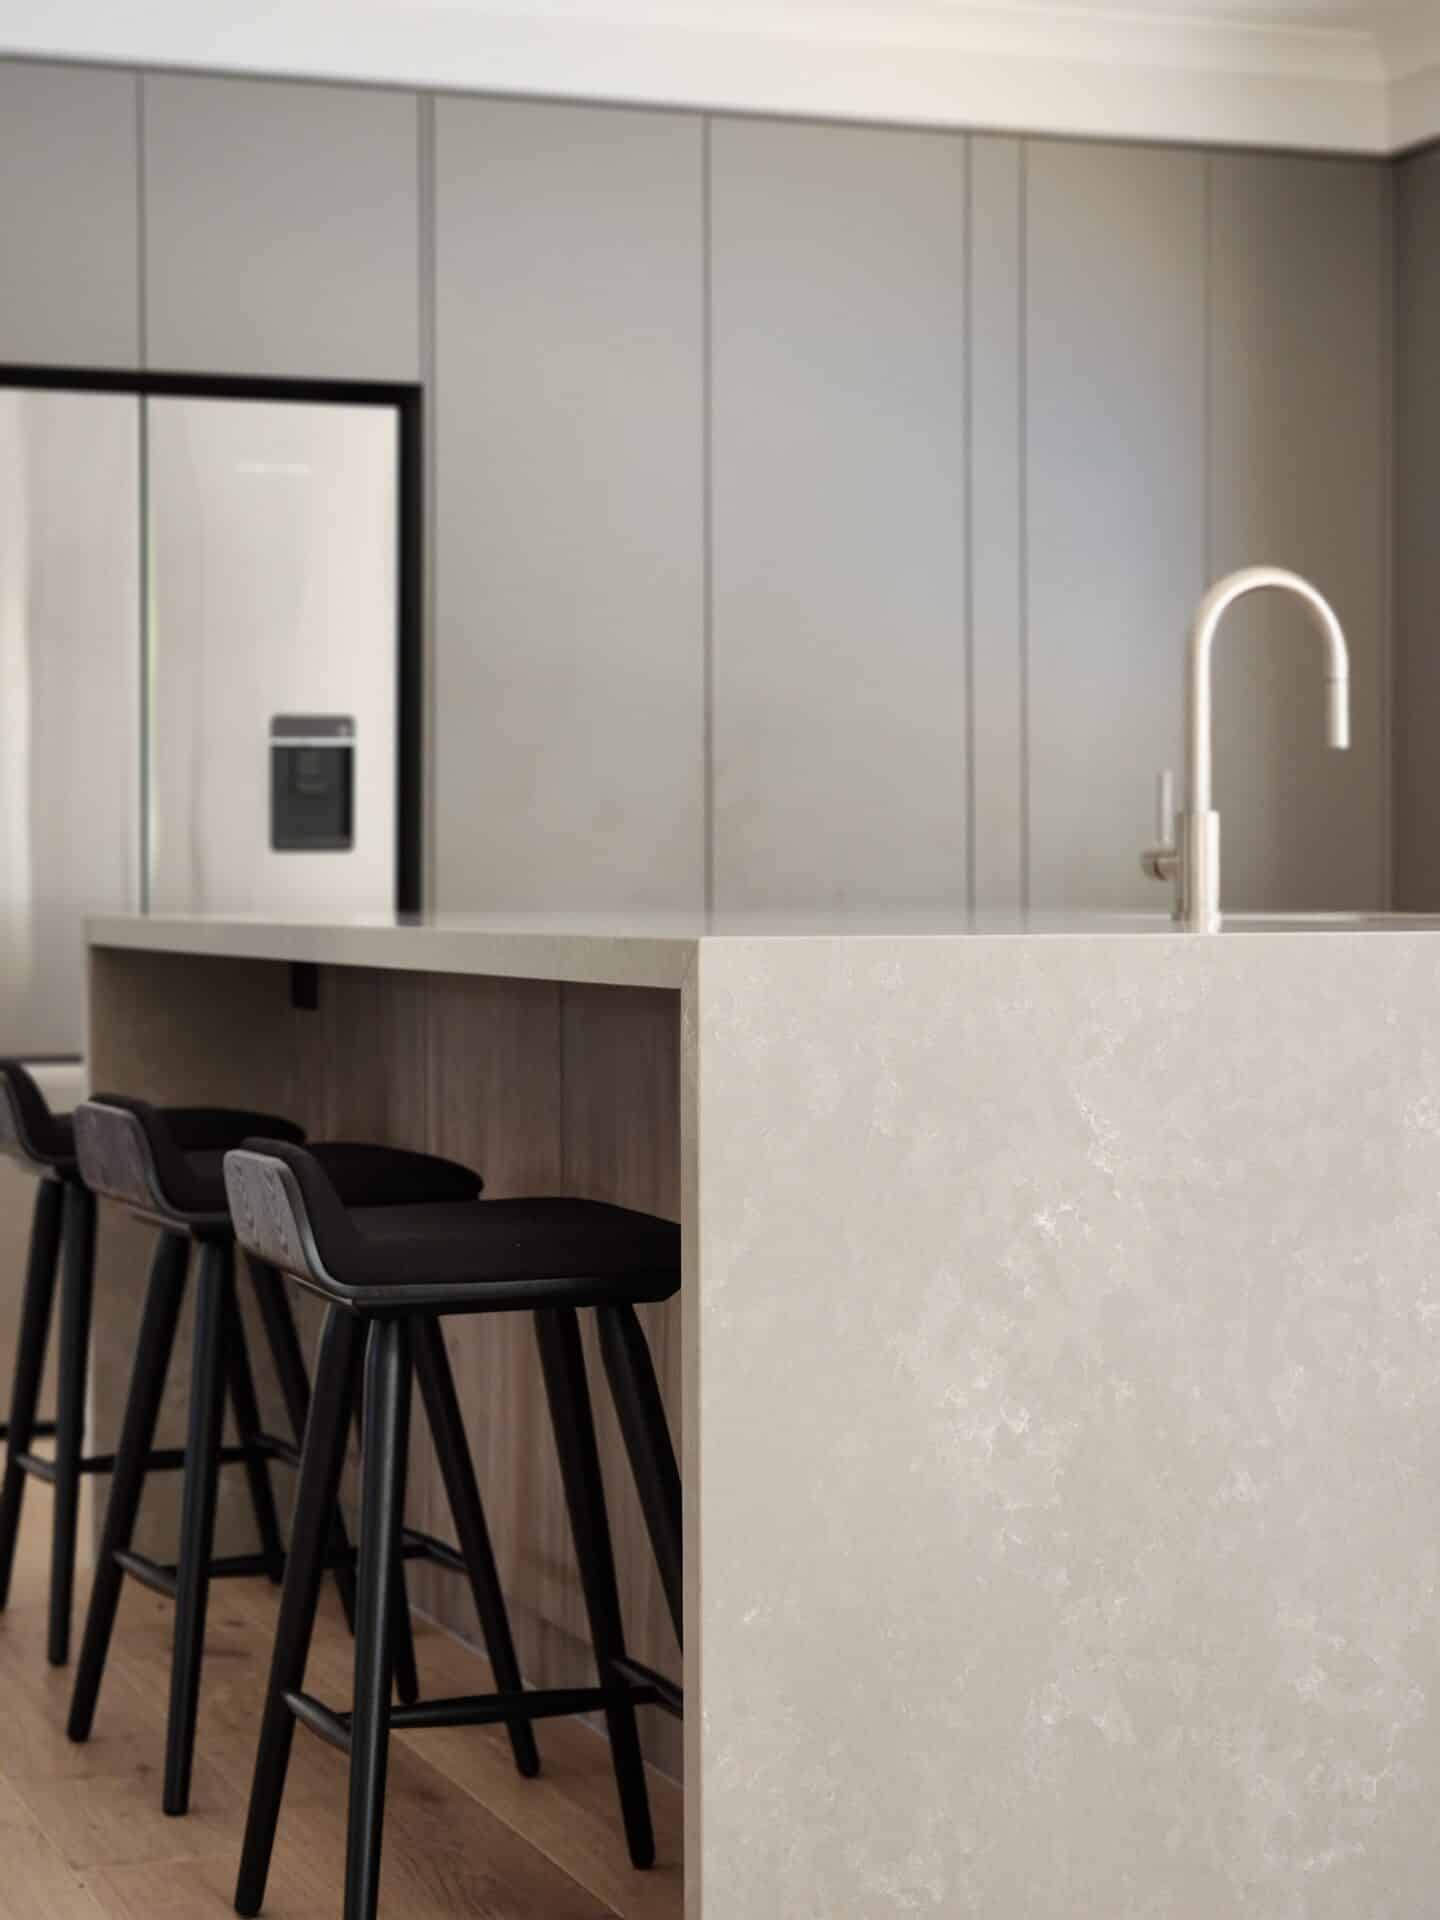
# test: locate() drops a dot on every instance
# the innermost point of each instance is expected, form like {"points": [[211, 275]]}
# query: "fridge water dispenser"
{"points": [[312, 783]]}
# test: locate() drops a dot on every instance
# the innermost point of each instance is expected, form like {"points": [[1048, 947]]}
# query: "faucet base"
{"points": [[1198, 907]]}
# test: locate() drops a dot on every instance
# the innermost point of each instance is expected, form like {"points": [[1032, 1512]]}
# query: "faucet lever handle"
{"points": [[1162, 861]]}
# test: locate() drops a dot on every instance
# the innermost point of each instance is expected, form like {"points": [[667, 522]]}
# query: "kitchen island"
{"points": [[1058, 1366]]}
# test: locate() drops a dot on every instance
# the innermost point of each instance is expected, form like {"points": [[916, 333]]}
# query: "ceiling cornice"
{"points": [[1107, 71]]}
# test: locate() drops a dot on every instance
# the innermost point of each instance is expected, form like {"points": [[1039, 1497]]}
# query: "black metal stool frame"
{"points": [[404, 1341]]}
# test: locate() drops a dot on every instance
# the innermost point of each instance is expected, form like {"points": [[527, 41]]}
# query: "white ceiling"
{"points": [[1399, 31], [1348, 75]]}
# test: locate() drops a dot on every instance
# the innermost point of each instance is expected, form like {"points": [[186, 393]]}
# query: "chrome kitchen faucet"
{"points": [[1189, 846]]}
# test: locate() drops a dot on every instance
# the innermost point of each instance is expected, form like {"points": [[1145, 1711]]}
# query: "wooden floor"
{"points": [[82, 1834]]}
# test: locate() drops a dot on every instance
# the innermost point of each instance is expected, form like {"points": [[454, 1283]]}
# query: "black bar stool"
{"points": [[392, 1275], [133, 1153], [44, 1144]]}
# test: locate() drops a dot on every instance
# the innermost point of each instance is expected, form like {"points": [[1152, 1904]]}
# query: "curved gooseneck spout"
{"points": [[1212, 611], [1191, 857]]}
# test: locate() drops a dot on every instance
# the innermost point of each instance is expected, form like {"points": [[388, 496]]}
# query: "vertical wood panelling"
{"points": [[838, 279], [997, 488], [1298, 441], [1417, 491], [69, 216], [1115, 326], [282, 228], [569, 715]]}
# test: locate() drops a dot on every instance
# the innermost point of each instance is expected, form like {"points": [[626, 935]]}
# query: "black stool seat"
{"points": [[485, 1255]]}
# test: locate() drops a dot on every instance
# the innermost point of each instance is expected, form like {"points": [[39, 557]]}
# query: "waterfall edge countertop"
{"points": [[639, 948], [1060, 1352]]}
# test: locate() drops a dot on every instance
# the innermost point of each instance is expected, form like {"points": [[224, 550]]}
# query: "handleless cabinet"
{"points": [[569, 414], [839, 476], [282, 229], [69, 219]]}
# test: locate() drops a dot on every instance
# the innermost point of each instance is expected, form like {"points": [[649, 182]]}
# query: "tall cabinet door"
{"points": [[1300, 442], [839, 516], [569, 675], [1114, 451]]}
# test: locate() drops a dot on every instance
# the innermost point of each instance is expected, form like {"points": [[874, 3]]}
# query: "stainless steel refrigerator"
{"points": [[198, 673]]}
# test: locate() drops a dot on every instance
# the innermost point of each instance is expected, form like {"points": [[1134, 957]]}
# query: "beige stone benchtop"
{"points": [[639, 948]]}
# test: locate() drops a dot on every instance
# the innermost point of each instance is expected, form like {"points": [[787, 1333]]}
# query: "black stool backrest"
{"points": [[289, 1202], [29, 1131], [135, 1153], [269, 1214]]}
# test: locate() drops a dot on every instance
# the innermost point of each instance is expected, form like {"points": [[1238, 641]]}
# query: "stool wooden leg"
{"points": [[442, 1407], [29, 1365], [72, 1373], [567, 1389], [248, 1428], [407, 1674], [646, 1432], [153, 1348], [213, 1291], [289, 1364], [321, 1463], [383, 1458]]}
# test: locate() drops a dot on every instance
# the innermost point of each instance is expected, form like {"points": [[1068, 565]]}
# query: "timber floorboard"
{"points": [[82, 1836]]}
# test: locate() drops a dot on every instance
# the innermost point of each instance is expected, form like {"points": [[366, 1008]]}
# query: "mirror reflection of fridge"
{"points": [[198, 668]]}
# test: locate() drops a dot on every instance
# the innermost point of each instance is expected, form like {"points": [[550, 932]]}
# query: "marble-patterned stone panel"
{"points": [[1067, 1412]]}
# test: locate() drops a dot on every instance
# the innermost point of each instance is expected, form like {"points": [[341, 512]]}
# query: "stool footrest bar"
{"points": [[425, 1546], [490, 1709], [667, 1693], [476, 1709], [160, 1576], [240, 1566], [163, 1460], [150, 1573], [42, 1430], [333, 1728]]}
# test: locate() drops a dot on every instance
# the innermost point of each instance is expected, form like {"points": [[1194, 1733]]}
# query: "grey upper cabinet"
{"points": [[282, 229], [569, 681], [1115, 538], [839, 449], [1298, 257], [69, 275]]}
